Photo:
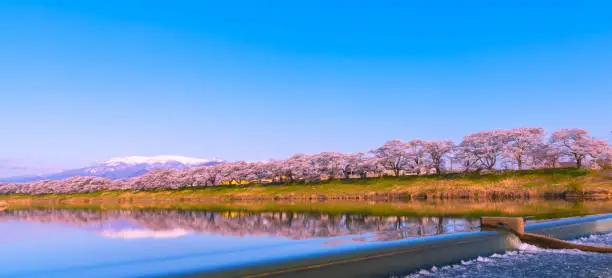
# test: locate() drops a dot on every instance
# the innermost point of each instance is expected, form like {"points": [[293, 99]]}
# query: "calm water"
{"points": [[75, 243], [124, 243]]}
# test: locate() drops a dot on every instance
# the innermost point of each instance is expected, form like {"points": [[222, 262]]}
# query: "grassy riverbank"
{"points": [[553, 183], [538, 208]]}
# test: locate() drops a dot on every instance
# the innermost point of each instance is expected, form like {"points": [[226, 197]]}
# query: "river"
{"points": [[531, 261], [60, 241]]}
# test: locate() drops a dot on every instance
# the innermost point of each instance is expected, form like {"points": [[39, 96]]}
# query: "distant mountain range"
{"points": [[121, 168]]}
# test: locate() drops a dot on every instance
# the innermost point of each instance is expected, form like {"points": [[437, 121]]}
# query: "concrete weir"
{"points": [[385, 259], [516, 226]]}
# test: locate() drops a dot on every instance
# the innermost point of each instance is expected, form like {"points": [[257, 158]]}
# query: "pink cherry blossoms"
{"points": [[518, 148]]}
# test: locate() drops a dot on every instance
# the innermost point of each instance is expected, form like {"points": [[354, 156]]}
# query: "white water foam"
{"points": [[595, 239], [532, 261]]}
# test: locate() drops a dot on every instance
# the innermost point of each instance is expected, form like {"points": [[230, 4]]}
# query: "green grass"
{"points": [[473, 185], [332, 196], [540, 209], [533, 184]]}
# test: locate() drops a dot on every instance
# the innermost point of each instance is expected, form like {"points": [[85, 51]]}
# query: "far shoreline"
{"points": [[566, 183]]}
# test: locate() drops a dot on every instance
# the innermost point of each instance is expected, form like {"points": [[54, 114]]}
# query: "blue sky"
{"points": [[83, 81]]}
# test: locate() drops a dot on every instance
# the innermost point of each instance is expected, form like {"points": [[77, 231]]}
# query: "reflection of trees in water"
{"points": [[284, 224]]}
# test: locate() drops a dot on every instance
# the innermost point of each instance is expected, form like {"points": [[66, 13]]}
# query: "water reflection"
{"points": [[132, 224]]}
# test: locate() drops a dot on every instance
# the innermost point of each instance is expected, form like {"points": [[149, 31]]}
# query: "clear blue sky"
{"points": [[83, 81]]}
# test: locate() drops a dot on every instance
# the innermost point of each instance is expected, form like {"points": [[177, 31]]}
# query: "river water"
{"points": [[68, 242], [531, 261], [124, 243]]}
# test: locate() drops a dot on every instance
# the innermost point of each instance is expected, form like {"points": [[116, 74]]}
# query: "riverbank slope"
{"points": [[543, 183]]}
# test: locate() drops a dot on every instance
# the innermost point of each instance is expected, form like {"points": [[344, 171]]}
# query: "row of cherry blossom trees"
{"points": [[519, 148]]}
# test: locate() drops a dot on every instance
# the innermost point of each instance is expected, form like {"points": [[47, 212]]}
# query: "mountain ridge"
{"points": [[122, 167]]}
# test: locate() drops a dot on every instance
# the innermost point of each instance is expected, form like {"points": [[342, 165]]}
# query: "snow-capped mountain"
{"points": [[123, 167]]}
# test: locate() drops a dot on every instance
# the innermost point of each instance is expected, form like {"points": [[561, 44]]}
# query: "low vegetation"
{"points": [[542, 183]]}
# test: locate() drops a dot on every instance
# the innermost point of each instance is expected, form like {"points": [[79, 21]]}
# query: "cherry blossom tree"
{"points": [[276, 170], [484, 148], [523, 144], [215, 174], [546, 156], [416, 158], [235, 172], [466, 158], [296, 167], [325, 164], [371, 165], [350, 164], [393, 156], [577, 144], [259, 170], [605, 159], [436, 150], [157, 179]]}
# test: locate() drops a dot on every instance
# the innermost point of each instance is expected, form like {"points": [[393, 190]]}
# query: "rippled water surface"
{"points": [[530, 261]]}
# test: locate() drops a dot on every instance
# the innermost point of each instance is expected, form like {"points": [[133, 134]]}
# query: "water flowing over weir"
{"points": [[402, 257], [516, 226], [531, 261]]}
